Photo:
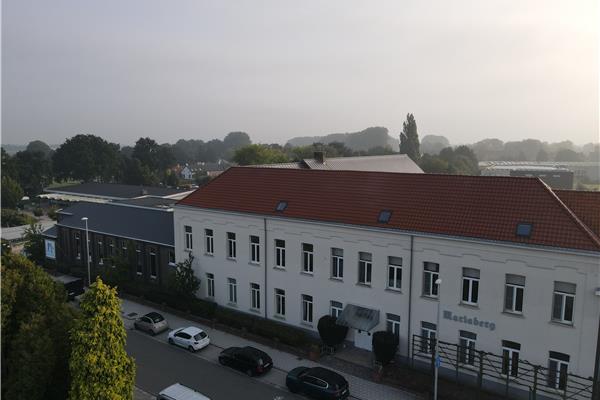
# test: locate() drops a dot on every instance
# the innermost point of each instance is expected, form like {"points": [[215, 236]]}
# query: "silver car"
{"points": [[153, 323]]}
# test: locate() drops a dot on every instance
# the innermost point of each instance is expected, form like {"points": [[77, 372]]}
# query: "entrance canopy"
{"points": [[358, 317]]}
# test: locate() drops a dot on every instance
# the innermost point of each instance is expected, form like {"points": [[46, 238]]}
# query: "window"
{"points": [[188, 237], [210, 285], [336, 308], [100, 252], [280, 302], [139, 260], [394, 273], [152, 263], [466, 348], [558, 367], [281, 206], [470, 289], [231, 246], [428, 331], [307, 308], [254, 249], [384, 216], [431, 273], [524, 230], [255, 296], [510, 358], [307, 258], [364, 268], [171, 257], [337, 263], [209, 242], [280, 253], [232, 284], [78, 245], [513, 293], [392, 322], [111, 247], [124, 248], [564, 298]]}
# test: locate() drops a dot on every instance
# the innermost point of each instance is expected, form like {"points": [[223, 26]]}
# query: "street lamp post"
{"points": [[438, 282], [87, 249]]}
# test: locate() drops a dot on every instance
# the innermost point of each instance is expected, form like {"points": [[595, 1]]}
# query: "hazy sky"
{"points": [[276, 69]]}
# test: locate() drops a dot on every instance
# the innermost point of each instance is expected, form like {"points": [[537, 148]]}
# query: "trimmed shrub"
{"points": [[285, 334], [331, 333], [385, 345], [38, 212]]}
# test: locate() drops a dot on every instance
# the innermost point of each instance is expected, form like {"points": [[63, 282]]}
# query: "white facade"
{"points": [[533, 328]]}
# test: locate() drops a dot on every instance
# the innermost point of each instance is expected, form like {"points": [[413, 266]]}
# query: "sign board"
{"points": [[50, 246]]}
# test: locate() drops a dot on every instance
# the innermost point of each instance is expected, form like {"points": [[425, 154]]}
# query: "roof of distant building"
{"points": [[481, 207], [137, 223], [115, 191], [384, 163], [149, 201]]}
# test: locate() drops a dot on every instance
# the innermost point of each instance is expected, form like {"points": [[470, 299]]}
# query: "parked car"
{"points": [[247, 359], [192, 338], [179, 392], [318, 383], [153, 323]]}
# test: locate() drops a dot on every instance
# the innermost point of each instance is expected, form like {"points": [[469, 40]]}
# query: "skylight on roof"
{"points": [[524, 229], [384, 216], [281, 206]]}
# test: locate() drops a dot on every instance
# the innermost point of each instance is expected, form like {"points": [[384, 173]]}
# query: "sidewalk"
{"points": [[361, 389]]}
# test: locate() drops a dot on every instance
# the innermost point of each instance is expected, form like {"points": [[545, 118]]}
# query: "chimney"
{"points": [[320, 156]]}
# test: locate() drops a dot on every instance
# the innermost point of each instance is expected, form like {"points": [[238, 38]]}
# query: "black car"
{"points": [[246, 359], [318, 383]]}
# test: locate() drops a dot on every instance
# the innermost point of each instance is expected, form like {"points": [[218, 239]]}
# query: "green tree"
{"points": [[34, 244], [433, 144], [146, 150], [433, 164], [100, 367], [409, 138], [34, 171], [11, 192], [568, 155], [259, 154], [35, 332], [87, 158], [9, 165], [234, 141], [183, 280], [39, 146]]}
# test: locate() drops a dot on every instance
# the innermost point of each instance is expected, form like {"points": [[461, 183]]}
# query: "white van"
{"points": [[179, 392]]}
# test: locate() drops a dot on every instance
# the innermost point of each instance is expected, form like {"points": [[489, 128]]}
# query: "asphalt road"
{"points": [[160, 365]]}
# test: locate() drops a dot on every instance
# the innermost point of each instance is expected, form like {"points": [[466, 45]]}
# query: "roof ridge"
{"points": [[591, 235]]}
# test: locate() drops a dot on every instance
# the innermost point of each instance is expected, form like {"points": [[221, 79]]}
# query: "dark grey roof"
{"points": [[149, 201], [50, 232], [144, 224], [115, 190]]}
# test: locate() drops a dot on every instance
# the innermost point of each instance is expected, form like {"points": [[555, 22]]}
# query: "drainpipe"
{"points": [[266, 252], [596, 383], [410, 282]]}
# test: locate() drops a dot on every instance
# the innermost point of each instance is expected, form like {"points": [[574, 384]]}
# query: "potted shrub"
{"points": [[385, 345], [331, 333]]}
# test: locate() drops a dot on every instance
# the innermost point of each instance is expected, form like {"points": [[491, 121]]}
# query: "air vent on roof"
{"points": [[282, 205], [384, 216], [524, 229]]}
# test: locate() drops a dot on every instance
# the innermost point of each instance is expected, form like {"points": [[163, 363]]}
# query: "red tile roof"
{"points": [[485, 207], [586, 205]]}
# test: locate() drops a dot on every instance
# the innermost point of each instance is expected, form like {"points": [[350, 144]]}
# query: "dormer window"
{"points": [[524, 229], [281, 206], [384, 216]]}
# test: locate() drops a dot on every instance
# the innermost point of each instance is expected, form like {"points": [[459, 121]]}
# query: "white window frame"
{"points": [[254, 249], [432, 290], [255, 296], [392, 324], [101, 254], [139, 260], [308, 258], [563, 304], [279, 302], [559, 366], [210, 285], [509, 352], [469, 351], [232, 290], [335, 308], [172, 260], [307, 309], [188, 238], [396, 271], [365, 276], [470, 282], [429, 335], [78, 245], [337, 264], [513, 300], [231, 246], [279, 254], [209, 242]]}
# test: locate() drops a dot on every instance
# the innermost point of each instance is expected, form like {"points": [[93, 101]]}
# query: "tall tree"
{"points": [[39, 146], [236, 140], [146, 150], [9, 166], [11, 192], [34, 244], [259, 154], [87, 158], [183, 280], [409, 138], [34, 171], [99, 365]]}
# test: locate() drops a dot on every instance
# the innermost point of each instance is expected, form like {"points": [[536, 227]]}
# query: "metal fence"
{"points": [[506, 371]]}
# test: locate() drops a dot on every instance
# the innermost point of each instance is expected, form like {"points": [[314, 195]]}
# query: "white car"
{"points": [[191, 338]]}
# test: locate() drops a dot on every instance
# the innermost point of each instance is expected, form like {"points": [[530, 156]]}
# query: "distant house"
{"points": [[186, 173], [213, 169], [386, 163], [554, 176]]}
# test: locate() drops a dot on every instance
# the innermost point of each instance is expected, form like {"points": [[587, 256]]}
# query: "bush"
{"points": [[38, 212], [331, 333], [12, 217], [285, 334], [52, 213], [385, 345]]}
